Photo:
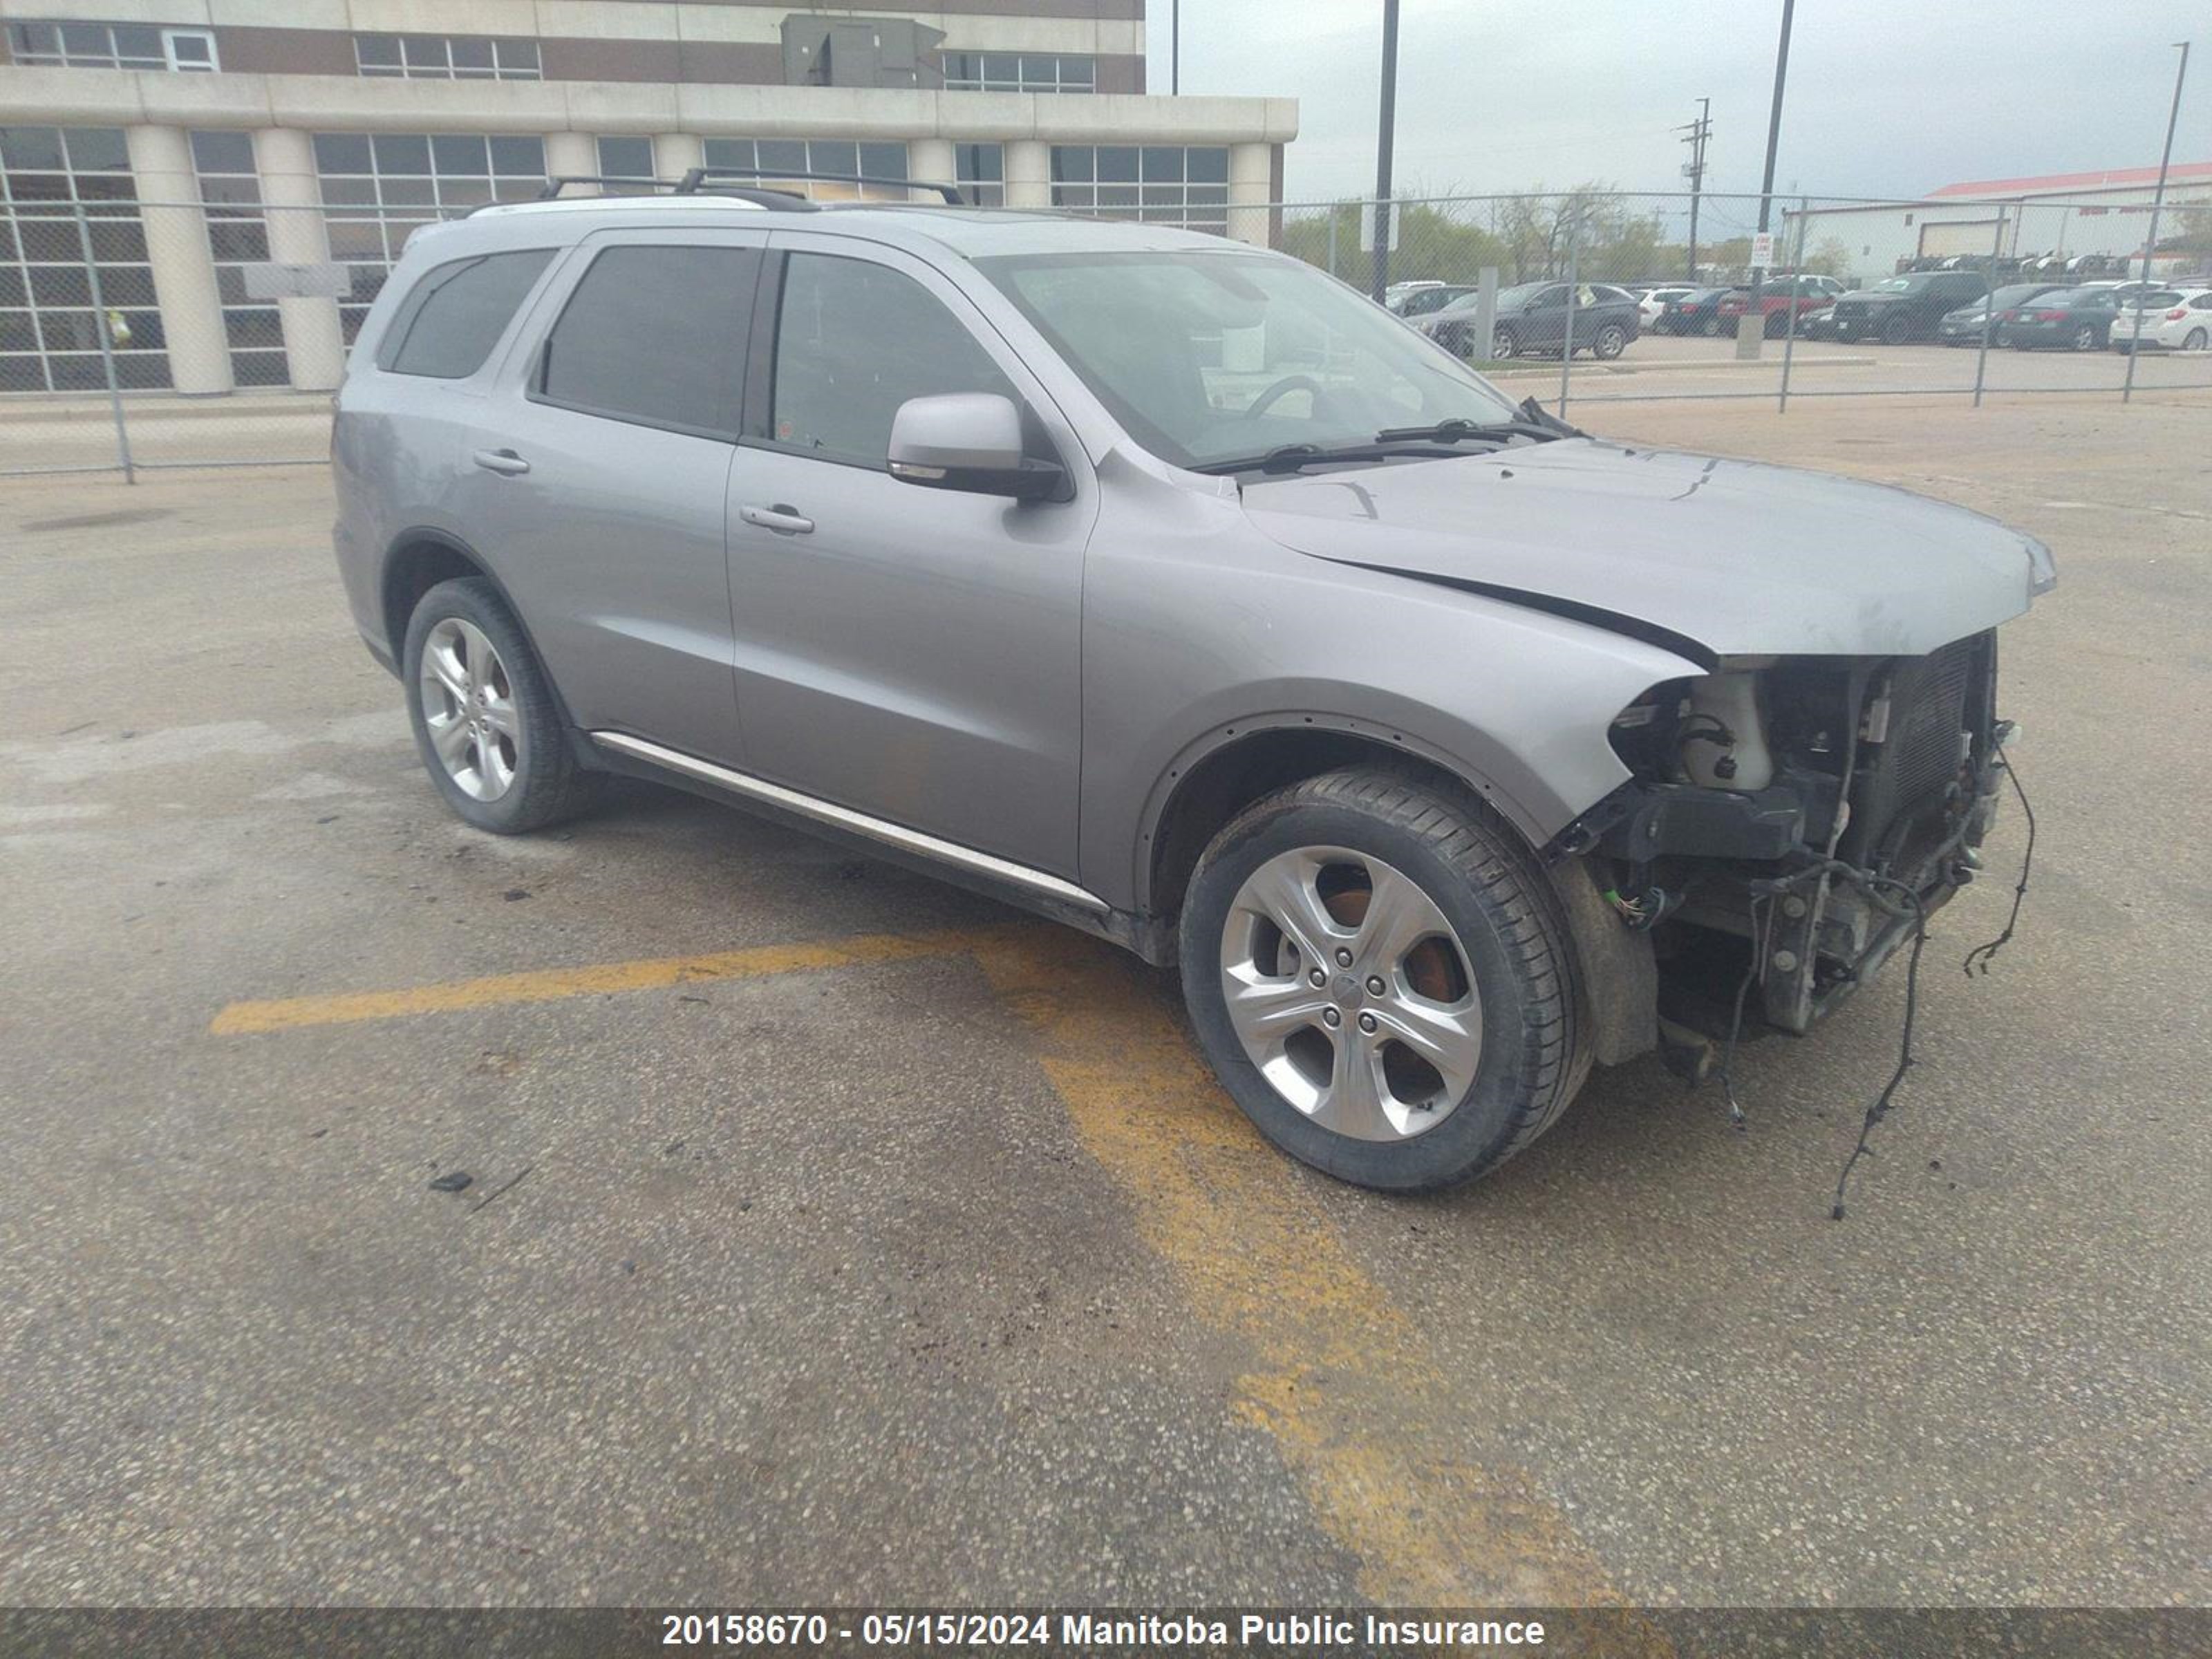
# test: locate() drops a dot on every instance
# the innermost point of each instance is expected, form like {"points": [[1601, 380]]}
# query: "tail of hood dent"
{"points": [[1732, 557]]}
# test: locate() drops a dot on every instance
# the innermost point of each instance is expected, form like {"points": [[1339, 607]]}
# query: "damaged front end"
{"points": [[1789, 825]]}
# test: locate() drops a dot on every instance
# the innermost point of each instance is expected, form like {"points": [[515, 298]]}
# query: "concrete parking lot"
{"points": [[835, 1237]]}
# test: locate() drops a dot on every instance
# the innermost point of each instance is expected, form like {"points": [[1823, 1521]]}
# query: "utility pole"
{"points": [[1174, 47], [1383, 216], [1695, 135], [2157, 202], [1755, 313]]}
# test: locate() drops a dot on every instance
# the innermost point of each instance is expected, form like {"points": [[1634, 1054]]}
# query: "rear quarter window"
{"points": [[448, 326]]}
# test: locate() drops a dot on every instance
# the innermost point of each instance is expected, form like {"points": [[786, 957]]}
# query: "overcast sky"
{"points": [[1886, 97]]}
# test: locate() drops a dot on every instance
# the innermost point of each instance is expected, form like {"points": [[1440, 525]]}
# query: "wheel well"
{"points": [[412, 571], [1232, 777]]}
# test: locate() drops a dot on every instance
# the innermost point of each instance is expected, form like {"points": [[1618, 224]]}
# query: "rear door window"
{"points": [[655, 335], [457, 313]]}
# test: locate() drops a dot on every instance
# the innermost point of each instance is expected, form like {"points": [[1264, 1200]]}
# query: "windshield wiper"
{"points": [[1537, 422], [1289, 457]]}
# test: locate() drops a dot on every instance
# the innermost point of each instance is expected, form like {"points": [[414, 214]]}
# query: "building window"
{"points": [[238, 236], [626, 158], [795, 159], [980, 170], [1006, 71], [1159, 183], [49, 324], [112, 45], [379, 188], [446, 58]]}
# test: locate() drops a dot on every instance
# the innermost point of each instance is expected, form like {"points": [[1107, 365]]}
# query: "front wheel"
{"points": [[1896, 330], [485, 719], [1381, 978]]}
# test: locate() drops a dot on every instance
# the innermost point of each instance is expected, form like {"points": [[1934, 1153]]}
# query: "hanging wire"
{"points": [[1981, 954]]}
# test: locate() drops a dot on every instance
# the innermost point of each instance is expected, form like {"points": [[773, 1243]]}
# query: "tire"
{"points": [[1896, 330], [1609, 342], [2085, 338], [512, 770], [2195, 340], [1504, 344], [1711, 328], [1478, 942], [1777, 325]]}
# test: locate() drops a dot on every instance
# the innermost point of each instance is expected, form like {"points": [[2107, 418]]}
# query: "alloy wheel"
{"points": [[469, 709], [1350, 992], [2085, 338]]}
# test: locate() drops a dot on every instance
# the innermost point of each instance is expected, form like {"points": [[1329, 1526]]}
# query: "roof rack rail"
{"points": [[698, 177], [554, 185]]}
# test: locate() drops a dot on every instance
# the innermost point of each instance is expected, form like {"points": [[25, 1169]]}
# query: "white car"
{"points": [[2173, 320], [1654, 300]]}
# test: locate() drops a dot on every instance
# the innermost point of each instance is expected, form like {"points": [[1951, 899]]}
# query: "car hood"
{"points": [[1729, 557], [1867, 296]]}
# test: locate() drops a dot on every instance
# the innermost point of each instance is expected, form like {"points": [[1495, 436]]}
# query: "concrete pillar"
{"points": [[930, 159], [1251, 183], [314, 341], [572, 154], [184, 267], [675, 154], [1029, 173]]}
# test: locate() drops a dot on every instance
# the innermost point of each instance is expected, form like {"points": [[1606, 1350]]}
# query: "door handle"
{"points": [[502, 460], [783, 519]]}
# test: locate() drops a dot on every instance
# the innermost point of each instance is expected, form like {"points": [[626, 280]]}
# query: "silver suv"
{"points": [[1166, 586]]}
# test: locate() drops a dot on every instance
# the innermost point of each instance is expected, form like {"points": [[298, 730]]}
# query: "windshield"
{"points": [[1206, 357]]}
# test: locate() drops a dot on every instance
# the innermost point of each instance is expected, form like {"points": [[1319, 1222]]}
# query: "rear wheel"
{"points": [[486, 723], [2194, 341], [1504, 343], [1776, 324], [1609, 342], [1381, 978], [1711, 328], [2085, 338]]}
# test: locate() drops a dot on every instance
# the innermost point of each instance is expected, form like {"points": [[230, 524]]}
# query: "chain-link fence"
{"points": [[151, 334]]}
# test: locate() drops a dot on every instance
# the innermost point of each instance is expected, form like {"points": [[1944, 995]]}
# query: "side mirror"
{"points": [[970, 441]]}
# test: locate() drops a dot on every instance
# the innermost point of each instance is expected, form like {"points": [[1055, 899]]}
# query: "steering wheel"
{"points": [[1282, 388]]}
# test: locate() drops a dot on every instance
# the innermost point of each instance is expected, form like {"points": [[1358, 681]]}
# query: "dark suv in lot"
{"points": [[1910, 307]]}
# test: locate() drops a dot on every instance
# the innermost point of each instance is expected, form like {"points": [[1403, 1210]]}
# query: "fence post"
{"points": [[1796, 282], [1567, 339], [1989, 302], [1485, 315], [106, 345]]}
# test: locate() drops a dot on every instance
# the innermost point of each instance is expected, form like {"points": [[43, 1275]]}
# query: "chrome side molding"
{"points": [[844, 817]]}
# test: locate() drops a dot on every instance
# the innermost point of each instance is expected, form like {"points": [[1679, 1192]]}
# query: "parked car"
{"points": [[1439, 744], [1652, 302], [1697, 311], [1532, 317], [1963, 327], [2075, 319], [1909, 307], [1419, 298], [1779, 295], [2173, 320]]}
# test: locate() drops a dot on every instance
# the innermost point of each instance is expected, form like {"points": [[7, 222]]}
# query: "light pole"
{"points": [[1384, 217], [2157, 202], [1174, 47]]}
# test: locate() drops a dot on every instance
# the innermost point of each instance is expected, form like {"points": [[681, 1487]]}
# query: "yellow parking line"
{"points": [[1341, 1380], [1361, 1410], [551, 984]]}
